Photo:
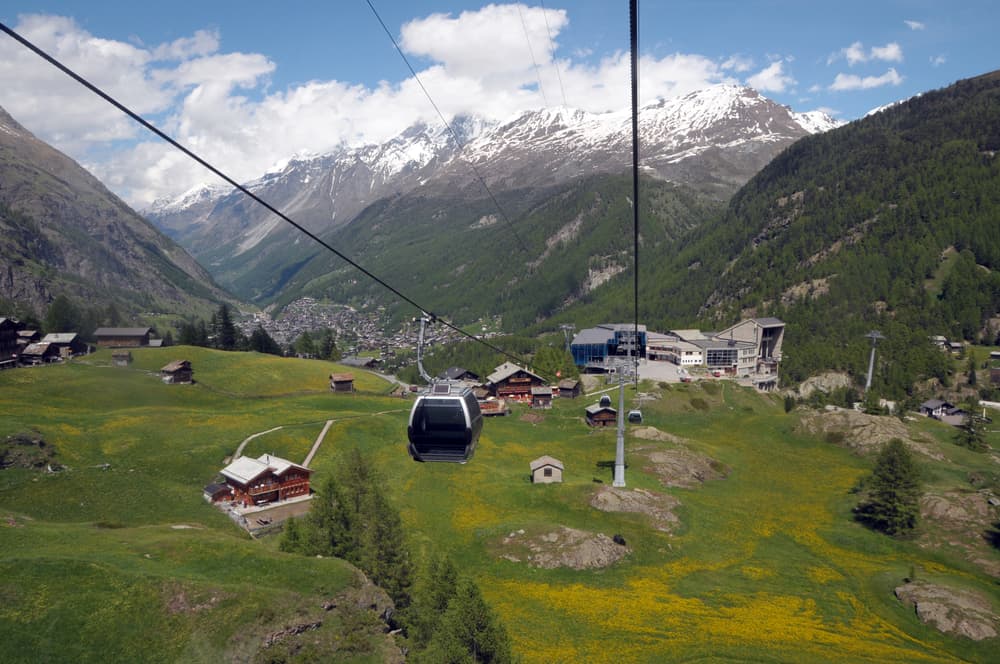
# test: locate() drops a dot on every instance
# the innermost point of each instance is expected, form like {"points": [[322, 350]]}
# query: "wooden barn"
{"points": [[546, 470], [541, 397], [39, 353], [569, 388], [9, 336], [121, 358], [122, 337], [177, 372], [67, 343], [342, 382], [601, 416], [514, 383], [266, 479]]}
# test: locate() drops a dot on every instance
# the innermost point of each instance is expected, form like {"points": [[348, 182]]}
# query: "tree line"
{"points": [[441, 613]]}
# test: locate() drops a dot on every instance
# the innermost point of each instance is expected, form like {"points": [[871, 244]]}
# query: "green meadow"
{"points": [[117, 556]]}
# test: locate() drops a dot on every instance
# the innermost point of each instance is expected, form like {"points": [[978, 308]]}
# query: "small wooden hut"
{"points": [[342, 382], [601, 416], [546, 470], [541, 397], [177, 372]]}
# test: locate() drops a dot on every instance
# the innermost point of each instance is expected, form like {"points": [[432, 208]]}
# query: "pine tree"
{"points": [[329, 524], [893, 502], [972, 434], [226, 330], [431, 594], [62, 316], [469, 631]]}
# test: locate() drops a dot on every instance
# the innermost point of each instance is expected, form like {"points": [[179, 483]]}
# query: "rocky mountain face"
{"points": [[63, 232], [713, 140]]}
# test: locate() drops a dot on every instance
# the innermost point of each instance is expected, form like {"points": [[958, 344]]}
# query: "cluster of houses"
{"points": [[22, 345], [511, 383]]}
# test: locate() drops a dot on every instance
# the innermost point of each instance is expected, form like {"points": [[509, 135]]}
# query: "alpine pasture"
{"points": [[117, 552]]}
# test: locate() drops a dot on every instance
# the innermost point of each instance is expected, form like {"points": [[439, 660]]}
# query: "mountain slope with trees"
{"points": [[63, 232], [889, 223]]}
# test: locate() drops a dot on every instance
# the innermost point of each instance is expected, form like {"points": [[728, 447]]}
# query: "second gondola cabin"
{"points": [[445, 424]]}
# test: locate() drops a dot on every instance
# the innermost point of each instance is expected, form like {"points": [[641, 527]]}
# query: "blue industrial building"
{"points": [[592, 347]]}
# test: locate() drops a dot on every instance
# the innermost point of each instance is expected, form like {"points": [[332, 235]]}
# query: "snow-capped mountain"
{"points": [[713, 139]]}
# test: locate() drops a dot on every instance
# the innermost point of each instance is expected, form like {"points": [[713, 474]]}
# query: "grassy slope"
{"points": [[768, 565]]}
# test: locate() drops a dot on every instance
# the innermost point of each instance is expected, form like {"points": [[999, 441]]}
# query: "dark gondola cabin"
{"points": [[444, 424]]}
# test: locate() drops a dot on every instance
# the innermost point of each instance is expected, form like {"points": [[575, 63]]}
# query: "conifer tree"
{"points": [[893, 502], [469, 631], [433, 590], [971, 434]]}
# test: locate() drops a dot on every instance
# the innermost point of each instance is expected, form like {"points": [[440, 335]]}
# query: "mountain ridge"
{"points": [[713, 140]]}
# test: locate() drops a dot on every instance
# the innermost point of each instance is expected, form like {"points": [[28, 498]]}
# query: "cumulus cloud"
{"points": [[853, 82], [220, 103], [938, 60], [914, 25], [772, 78], [856, 54]]}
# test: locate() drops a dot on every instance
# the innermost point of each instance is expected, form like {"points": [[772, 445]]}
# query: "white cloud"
{"points": [[771, 79], [915, 25], [856, 54], [853, 82], [891, 52], [938, 60], [220, 104], [737, 63]]}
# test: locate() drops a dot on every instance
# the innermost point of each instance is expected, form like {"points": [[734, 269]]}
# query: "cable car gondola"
{"points": [[444, 424]]}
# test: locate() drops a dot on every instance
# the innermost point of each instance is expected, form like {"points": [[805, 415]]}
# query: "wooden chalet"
{"points": [[514, 383], [493, 407], [39, 353], [177, 372], [569, 388], [601, 416], [541, 397], [68, 343], [546, 470], [122, 337], [342, 382], [121, 358], [266, 479]]}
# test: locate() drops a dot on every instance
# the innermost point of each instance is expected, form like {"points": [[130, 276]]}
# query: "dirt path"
{"points": [[319, 441]]}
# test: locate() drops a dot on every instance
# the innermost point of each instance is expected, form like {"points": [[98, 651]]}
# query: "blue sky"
{"points": [[248, 86]]}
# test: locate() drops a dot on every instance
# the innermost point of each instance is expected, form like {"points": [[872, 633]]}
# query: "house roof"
{"points": [[355, 361], [594, 409], [568, 384], [542, 390], [177, 365], [546, 460], [688, 335], [769, 322], [341, 377], [59, 337], [506, 370], [934, 404], [122, 331], [37, 348], [452, 373], [246, 469], [593, 335]]}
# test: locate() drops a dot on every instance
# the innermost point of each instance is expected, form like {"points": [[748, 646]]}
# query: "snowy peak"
{"points": [[197, 195]]}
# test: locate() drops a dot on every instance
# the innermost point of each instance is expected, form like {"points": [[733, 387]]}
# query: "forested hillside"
{"points": [[891, 222], [467, 259]]}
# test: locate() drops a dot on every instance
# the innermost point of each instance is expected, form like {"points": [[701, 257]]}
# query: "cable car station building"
{"points": [[594, 347]]}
